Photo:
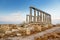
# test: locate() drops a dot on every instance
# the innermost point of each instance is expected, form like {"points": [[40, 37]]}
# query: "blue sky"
{"points": [[14, 11]]}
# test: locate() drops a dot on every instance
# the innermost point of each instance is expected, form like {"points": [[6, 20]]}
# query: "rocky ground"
{"points": [[37, 35]]}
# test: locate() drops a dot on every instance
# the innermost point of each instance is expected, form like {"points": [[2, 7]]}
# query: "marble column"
{"points": [[38, 16], [27, 16], [49, 19], [43, 17], [30, 18], [34, 15]]}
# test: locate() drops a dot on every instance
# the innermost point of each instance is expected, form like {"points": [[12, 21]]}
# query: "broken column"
{"points": [[27, 18]]}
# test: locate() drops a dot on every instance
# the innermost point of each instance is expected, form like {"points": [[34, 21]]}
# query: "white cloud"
{"points": [[13, 17]]}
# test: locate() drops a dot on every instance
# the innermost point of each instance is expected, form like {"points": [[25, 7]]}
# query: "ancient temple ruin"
{"points": [[38, 16]]}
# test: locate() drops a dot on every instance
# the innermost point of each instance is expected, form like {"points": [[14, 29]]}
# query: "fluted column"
{"points": [[27, 17], [38, 16], [43, 17], [34, 15], [49, 19], [30, 18]]}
